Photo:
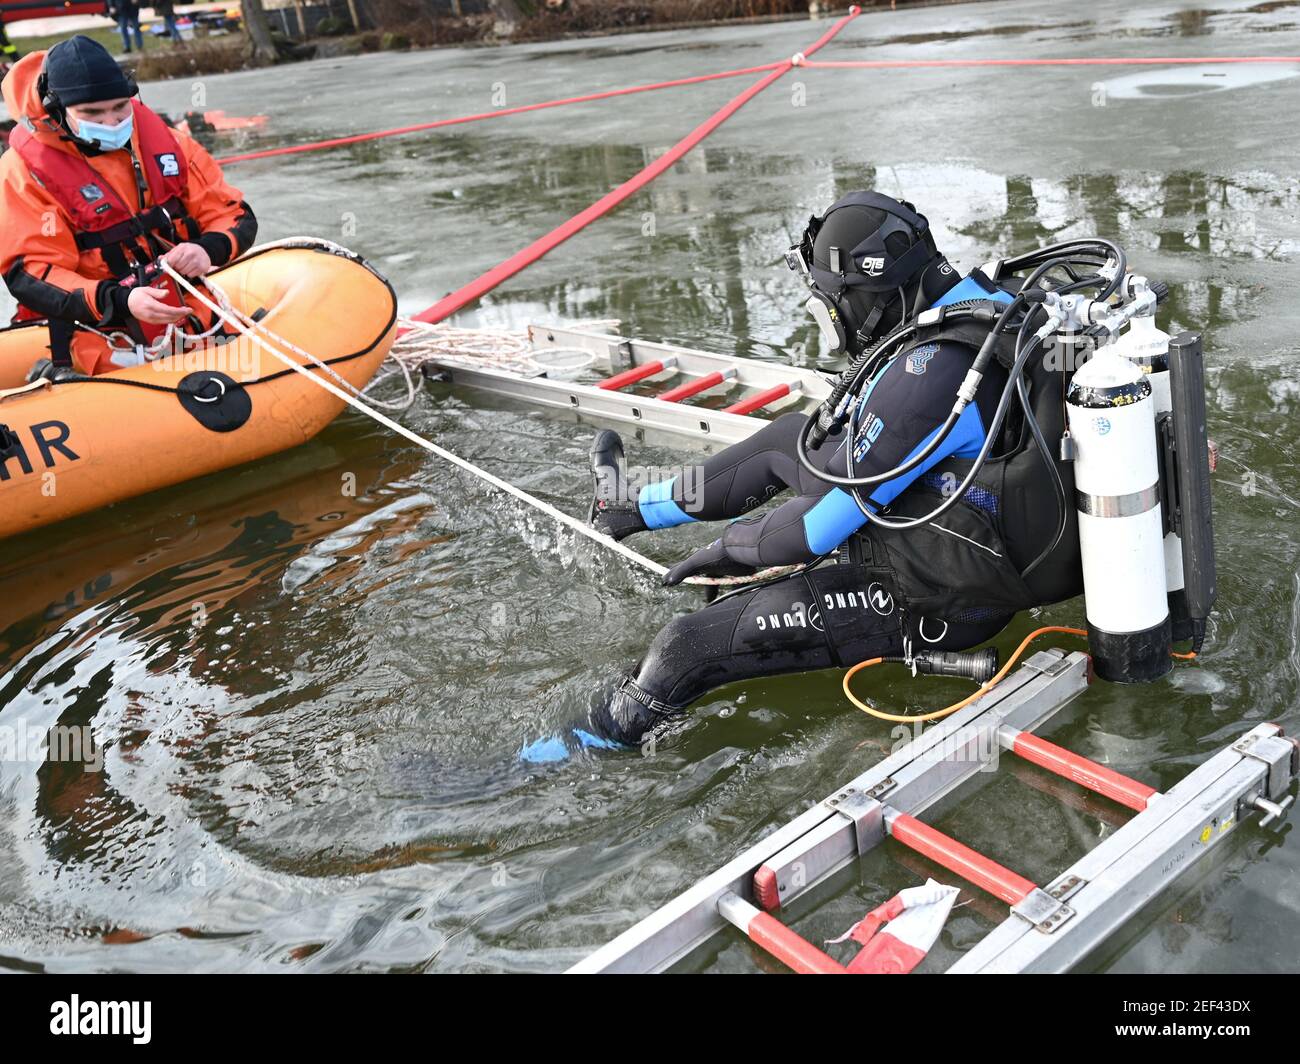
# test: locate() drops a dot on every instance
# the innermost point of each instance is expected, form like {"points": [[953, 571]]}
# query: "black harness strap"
{"points": [[164, 217], [61, 334]]}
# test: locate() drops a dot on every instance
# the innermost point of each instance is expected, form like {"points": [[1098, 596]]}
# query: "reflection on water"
{"points": [[307, 678]]}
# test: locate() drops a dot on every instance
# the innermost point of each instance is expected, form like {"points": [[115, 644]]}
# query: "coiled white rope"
{"points": [[271, 343]]}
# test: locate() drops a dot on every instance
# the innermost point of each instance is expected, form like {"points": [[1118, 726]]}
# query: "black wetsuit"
{"points": [[834, 615]]}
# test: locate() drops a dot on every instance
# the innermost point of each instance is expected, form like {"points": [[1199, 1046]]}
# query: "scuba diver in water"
{"points": [[942, 519], [94, 189]]}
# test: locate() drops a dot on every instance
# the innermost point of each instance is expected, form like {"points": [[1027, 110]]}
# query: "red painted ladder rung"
{"points": [[1090, 803], [789, 947], [1078, 769], [985, 873], [763, 398], [700, 384], [637, 373]]}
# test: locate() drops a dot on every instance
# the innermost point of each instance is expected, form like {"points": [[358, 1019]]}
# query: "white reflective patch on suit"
{"points": [[917, 360]]}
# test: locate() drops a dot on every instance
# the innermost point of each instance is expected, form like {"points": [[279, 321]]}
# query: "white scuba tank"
{"points": [[1111, 411], [1147, 346]]}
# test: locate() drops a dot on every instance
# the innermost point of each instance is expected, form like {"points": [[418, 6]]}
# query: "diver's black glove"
{"points": [[712, 560]]}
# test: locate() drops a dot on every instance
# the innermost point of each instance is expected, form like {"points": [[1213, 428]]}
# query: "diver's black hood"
{"points": [[876, 257]]}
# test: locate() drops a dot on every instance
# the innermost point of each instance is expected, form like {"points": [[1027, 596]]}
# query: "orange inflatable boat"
{"points": [[77, 445]]}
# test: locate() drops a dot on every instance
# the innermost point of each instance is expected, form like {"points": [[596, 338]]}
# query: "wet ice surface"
{"points": [[1195, 80], [314, 770]]}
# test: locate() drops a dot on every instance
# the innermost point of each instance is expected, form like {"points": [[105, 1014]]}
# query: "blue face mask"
{"points": [[109, 138]]}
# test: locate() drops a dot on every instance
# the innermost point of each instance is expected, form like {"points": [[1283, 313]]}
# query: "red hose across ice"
{"points": [[450, 304], [773, 71], [336, 142], [884, 64], [854, 64]]}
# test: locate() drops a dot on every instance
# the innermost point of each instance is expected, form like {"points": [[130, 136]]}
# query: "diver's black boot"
{"points": [[628, 714], [620, 716], [613, 512]]}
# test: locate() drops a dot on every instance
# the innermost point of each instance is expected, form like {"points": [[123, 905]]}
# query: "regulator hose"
{"points": [[815, 420], [1030, 293]]}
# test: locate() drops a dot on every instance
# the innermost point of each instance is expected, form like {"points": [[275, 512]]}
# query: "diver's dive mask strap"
{"points": [[869, 266], [874, 272]]}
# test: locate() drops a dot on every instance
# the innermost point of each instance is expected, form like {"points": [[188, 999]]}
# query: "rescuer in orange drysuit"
{"points": [[93, 189]]}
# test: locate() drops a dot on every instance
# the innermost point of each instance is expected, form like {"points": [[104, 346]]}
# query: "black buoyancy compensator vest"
{"points": [[970, 559]]}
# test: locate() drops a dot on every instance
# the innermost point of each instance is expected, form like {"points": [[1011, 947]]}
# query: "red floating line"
{"points": [[891, 64], [762, 399], [1082, 771], [636, 373], [534, 251], [399, 131], [700, 384], [983, 872]]}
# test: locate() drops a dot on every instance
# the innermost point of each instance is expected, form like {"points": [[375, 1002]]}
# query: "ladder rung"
{"points": [[1090, 803], [1079, 769], [762, 399], [956, 857], [636, 373], [787, 946], [700, 384]]}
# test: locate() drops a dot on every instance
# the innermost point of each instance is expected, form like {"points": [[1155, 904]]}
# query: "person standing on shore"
{"points": [[166, 10], [8, 53], [126, 13]]}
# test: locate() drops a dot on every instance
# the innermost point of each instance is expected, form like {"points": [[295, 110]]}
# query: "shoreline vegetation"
{"points": [[404, 25]]}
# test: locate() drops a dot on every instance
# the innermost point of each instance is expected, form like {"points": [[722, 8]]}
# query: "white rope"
{"points": [[241, 318], [415, 438], [249, 329]]}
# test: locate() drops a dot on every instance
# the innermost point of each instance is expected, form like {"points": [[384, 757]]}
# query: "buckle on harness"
{"points": [[142, 274], [629, 687]]}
